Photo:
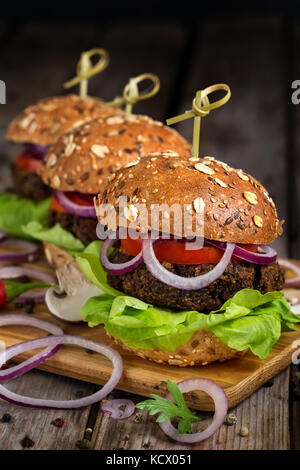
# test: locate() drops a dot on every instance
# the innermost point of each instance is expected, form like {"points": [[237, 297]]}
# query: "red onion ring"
{"points": [[295, 281], [37, 297], [268, 257], [53, 341], [112, 407], [72, 207], [29, 253], [25, 366], [117, 268], [221, 406], [11, 272], [184, 283], [38, 151]]}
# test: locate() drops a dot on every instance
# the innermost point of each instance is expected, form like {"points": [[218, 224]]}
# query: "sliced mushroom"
{"points": [[74, 290]]}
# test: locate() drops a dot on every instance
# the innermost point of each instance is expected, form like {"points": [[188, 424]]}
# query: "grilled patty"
{"points": [[28, 184], [83, 228], [238, 275]]}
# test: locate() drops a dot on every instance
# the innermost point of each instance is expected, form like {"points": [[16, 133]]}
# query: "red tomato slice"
{"points": [[28, 163], [175, 252], [56, 207], [77, 198], [81, 199]]}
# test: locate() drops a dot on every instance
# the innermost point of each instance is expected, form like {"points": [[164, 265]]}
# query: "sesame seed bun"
{"points": [[42, 123], [237, 208], [204, 347], [84, 158]]}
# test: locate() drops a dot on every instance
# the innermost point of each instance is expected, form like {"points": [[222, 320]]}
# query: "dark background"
{"points": [[252, 46]]}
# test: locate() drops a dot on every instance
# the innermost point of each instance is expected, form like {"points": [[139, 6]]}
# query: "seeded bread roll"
{"points": [[43, 122], [237, 208], [204, 347], [84, 158]]}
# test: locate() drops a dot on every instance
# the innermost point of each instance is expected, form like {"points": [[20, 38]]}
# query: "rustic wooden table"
{"points": [[256, 130]]}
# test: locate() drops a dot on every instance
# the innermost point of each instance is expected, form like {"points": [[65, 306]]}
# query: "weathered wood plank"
{"points": [[265, 414], [295, 407], [249, 131], [36, 424]]}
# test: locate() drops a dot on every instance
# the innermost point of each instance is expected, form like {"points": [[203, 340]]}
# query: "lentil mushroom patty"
{"points": [[83, 228], [28, 184], [238, 275]]}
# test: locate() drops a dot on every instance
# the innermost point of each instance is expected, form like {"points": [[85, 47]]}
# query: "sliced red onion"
{"points": [[119, 409], [185, 283], [12, 272], [221, 406], [29, 252], [37, 297], [117, 268], [295, 281], [73, 208], [268, 256], [25, 366], [38, 151], [53, 341]]}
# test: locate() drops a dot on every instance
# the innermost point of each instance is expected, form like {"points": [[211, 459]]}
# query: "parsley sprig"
{"points": [[168, 410]]}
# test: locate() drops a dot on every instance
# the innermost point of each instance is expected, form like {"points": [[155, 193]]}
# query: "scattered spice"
{"points": [[138, 418], [59, 422], [18, 305], [29, 305], [88, 433], [26, 442], [244, 431], [83, 444], [231, 419], [6, 418]]}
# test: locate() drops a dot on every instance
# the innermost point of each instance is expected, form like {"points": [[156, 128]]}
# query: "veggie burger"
{"points": [[84, 159], [38, 127], [177, 299]]}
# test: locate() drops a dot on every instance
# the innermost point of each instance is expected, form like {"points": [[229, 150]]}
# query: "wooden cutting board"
{"points": [[239, 377]]}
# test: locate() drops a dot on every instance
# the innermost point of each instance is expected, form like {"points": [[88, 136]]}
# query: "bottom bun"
{"points": [[204, 347], [56, 256]]}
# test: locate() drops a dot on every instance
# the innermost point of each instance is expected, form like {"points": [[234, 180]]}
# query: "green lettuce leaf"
{"points": [[89, 263], [22, 217], [56, 234], [16, 212], [248, 320]]}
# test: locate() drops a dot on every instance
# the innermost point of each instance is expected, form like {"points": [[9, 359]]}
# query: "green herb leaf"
{"points": [[168, 410], [14, 289]]}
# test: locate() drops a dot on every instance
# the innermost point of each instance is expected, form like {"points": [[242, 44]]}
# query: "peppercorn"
{"points": [[138, 418], [6, 418], [26, 442], [29, 305]]}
